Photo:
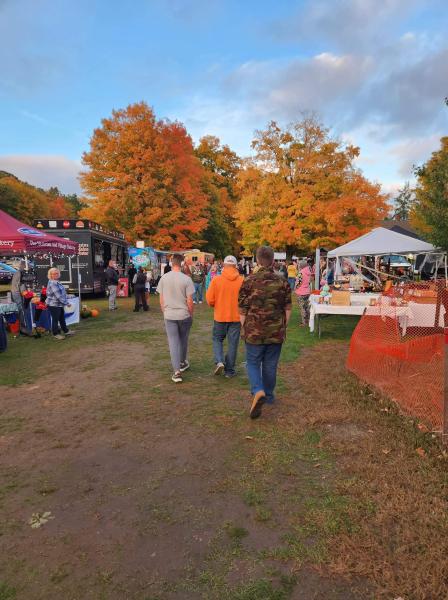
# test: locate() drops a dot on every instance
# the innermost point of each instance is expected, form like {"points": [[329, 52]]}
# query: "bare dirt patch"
{"points": [[163, 492]]}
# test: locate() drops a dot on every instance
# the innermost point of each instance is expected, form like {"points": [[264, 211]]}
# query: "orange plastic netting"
{"points": [[398, 347]]}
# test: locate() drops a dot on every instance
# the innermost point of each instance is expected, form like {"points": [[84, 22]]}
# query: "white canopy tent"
{"points": [[381, 242]]}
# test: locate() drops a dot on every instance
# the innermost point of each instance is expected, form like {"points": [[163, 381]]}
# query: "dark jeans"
{"points": [[220, 332], [292, 283], [198, 287], [140, 297], [262, 361], [57, 318]]}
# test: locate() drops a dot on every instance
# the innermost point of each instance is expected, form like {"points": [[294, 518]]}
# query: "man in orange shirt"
{"points": [[223, 296]]}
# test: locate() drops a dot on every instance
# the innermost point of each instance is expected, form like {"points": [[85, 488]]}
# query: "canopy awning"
{"points": [[382, 241], [18, 238]]}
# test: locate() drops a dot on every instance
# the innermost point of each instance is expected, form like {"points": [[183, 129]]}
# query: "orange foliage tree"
{"points": [[27, 202], [302, 190], [143, 178]]}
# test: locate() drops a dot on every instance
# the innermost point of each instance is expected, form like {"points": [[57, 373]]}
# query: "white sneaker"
{"points": [[184, 366], [200, 301], [70, 332], [59, 336], [219, 369], [176, 377]]}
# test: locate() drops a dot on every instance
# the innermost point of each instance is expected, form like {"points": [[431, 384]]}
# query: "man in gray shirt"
{"points": [[176, 301]]}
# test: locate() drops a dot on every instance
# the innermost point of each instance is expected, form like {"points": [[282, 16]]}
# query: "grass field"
{"points": [[157, 491]]}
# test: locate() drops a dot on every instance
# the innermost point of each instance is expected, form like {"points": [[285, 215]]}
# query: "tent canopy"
{"points": [[382, 241], [18, 238]]}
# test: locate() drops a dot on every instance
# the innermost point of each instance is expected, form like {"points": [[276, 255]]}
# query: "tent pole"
{"points": [[446, 270], [317, 270]]}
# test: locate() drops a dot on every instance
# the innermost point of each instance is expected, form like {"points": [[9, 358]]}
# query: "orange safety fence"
{"points": [[398, 348]]}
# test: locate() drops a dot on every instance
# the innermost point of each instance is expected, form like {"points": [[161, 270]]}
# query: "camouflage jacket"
{"points": [[263, 299]]}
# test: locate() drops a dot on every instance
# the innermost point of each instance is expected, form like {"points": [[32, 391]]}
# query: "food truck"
{"points": [[97, 245], [198, 256]]}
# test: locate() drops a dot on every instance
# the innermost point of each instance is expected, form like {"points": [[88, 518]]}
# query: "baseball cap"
{"points": [[230, 260]]}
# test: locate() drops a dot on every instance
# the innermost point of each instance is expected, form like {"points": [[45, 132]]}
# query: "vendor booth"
{"points": [[351, 295], [21, 241]]}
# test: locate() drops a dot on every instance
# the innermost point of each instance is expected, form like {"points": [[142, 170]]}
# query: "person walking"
{"points": [[198, 277], [17, 289], [222, 295], [131, 274], [112, 277], [139, 283], [56, 301], [176, 301], [292, 275], [265, 308], [303, 291]]}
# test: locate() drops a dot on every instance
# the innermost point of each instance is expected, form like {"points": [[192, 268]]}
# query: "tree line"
{"points": [[300, 189]]}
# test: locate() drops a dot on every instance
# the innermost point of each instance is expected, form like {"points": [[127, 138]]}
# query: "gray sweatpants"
{"points": [[177, 333], [112, 297]]}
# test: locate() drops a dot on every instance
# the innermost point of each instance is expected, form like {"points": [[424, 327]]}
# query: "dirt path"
{"points": [[171, 492]]}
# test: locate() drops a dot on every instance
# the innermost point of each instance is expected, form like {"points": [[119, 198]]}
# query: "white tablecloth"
{"points": [[358, 305]]}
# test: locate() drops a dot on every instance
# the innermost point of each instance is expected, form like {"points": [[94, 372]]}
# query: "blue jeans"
{"points": [[198, 287], [262, 361], [220, 332], [292, 283]]}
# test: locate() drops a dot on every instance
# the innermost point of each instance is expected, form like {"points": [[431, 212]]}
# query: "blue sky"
{"points": [[375, 71]]}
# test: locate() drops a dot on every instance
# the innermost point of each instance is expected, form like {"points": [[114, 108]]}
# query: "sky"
{"points": [[374, 71]]}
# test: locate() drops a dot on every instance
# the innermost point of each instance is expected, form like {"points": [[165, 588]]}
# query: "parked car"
{"points": [[6, 273]]}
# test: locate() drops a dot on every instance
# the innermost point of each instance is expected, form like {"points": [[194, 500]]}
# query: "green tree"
{"points": [[430, 213], [221, 167], [403, 203]]}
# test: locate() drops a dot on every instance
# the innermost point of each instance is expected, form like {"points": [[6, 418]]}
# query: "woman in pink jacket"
{"points": [[303, 291]]}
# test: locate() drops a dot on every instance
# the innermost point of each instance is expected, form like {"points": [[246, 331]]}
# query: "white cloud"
{"points": [[414, 151], [44, 171]]}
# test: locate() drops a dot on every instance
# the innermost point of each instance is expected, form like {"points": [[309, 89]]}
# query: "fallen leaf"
{"points": [[39, 519], [385, 450], [420, 451], [317, 465], [249, 437], [422, 427]]}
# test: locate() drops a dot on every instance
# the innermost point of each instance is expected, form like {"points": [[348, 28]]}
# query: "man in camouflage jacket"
{"points": [[265, 308]]}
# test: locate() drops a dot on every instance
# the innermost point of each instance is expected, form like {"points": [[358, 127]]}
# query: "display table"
{"points": [[71, 311], [359, 302], [11, 307]]}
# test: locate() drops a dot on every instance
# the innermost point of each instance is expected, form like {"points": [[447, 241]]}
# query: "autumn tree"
{"points": [[430, 212], [142, 177], [27, 202], [221, 167], [307, 193]]}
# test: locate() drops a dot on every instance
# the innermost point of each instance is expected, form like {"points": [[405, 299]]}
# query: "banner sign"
{"points": [[123, 287], [143, 257]]}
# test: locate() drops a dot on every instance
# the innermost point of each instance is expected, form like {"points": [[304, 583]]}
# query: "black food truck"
{"points": [[97, 245]]}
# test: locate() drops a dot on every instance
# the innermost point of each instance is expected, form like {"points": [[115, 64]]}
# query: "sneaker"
{"points": [[176, 377], [258, 400], [194, 302], [184, 366], [200, 301], [229, 375], [219, 369], [69, 332], [59, 336]]}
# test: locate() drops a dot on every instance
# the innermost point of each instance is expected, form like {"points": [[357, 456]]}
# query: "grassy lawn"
{"points": [[157, 491]]}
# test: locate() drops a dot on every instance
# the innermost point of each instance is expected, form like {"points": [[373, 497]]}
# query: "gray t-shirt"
{"points": [[175, 287]]}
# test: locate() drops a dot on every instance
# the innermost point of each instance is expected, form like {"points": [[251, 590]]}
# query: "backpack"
{"points": [[197, 275], [141, 278]]}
